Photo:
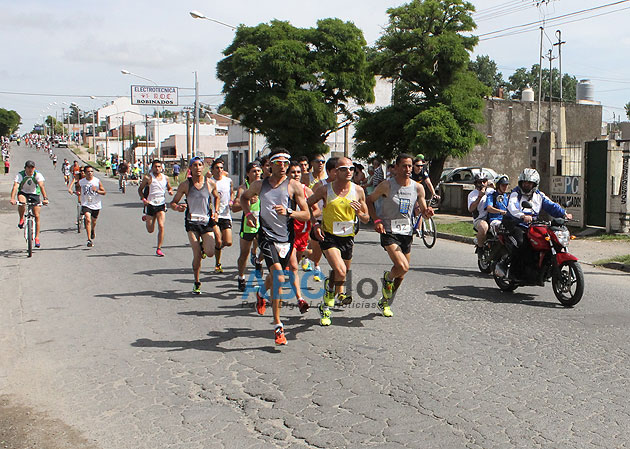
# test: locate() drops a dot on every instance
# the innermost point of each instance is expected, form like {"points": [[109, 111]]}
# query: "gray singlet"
{"points": [[274, 227], [397, 207], [198, 200]]}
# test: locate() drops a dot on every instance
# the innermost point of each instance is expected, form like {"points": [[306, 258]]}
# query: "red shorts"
{"points": [[301, 235]]}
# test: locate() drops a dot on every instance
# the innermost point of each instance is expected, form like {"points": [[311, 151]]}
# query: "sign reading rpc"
{"points": [[154, 95]]}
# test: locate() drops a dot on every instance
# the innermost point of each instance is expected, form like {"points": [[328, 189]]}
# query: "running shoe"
{"points": [[306, 265], [218, 268], [280, 338], [383, 306], [343, 300], [159, 252], [203, 254], [253, 260], [324, 313], [388, 287], [37, 243], [317, 277], [303, 306], [144, 218], [261, 304], [92, 235], [258, 266], [241, 285], [329, 295], [90, 244], [197, 288], [21, 223]]}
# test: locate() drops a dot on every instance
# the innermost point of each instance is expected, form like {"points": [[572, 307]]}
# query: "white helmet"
{"points": [[528, 175]]}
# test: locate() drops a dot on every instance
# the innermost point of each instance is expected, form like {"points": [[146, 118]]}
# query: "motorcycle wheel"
{"points": [[568, 284], [503, 283], [483, 261]]}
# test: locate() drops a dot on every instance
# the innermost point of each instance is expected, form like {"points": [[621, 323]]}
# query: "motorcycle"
{"points": [[549, 261], [490, 250]]}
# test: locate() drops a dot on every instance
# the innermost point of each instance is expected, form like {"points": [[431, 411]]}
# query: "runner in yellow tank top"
{"points": [[343, 201]]}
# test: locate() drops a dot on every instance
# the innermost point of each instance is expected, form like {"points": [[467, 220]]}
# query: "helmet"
{"points": [[502, 179], [480, 177], [528, 175]]}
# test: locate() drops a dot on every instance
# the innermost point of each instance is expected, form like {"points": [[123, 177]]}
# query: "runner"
{"points": [[54, 160], [28, 185], [398, 194], [65, 169], [176, 169], [226, 200], [91, 192], [248, 234], [343, 202], [200, 219], [277, 196], [155, 185]]}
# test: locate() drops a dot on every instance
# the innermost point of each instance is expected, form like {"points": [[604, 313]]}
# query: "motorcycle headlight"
{"points": [[564, 236]]}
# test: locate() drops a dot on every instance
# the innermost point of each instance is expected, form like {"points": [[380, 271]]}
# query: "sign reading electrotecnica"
{"points": [[154, 95]]}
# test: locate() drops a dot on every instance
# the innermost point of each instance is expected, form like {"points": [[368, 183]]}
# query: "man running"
{"points": [[226, 199], [155, 201], [343, 202], [91, 192], [248, 234], [65, 169], [277, 194], [200, 219], [28, 186], [399, 194]]}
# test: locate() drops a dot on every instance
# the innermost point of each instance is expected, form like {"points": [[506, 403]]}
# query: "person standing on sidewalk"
{"points": [[399, 194], [155, 185], [91, 192], [278, 195]]}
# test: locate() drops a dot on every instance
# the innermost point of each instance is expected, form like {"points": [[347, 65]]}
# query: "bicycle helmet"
{"points": [[528, 175], [480, 177], [502, 179]]}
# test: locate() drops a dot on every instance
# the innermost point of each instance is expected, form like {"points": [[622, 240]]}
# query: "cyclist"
{"points": [[123, 171], [343, 202], [155, 185], [278, 194], [91, 192], [200, 218], [29, 185], [226, 200], [477, 199], [398, 194]]}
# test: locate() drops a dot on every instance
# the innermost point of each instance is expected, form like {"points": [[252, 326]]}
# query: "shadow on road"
{"points": [[134, 205], [451, 271], [177, 295], [122, 254], [62, 230], [473, 293]]}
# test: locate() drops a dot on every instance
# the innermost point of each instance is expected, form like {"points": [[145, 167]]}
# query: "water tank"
{"points": [[527, 94], [585, 91]]}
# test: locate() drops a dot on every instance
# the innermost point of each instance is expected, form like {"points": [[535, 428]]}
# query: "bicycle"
{"points": [[80, 218], [123, 183], [428, 230], [29, 225]]}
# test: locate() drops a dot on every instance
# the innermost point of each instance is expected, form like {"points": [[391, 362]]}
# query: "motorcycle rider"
{"points": [[518, 219], [477, 206], [496, 203]]}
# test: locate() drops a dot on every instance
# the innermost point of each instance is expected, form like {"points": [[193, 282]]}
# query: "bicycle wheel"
{"points": [[124, 186], [29, 235], [429, 232], [79, 219]]}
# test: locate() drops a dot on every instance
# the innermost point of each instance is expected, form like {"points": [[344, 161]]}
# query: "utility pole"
{"points": [[196, 115], [542, 30], [122, 151], [551, 58], [188, 152], [560, 43]]}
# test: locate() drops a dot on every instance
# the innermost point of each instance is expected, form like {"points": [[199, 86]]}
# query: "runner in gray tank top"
{"points": [[399, 196], [277, 194], [200, 219]]}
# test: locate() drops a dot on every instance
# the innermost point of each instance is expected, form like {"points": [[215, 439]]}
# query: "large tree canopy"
{"points": [[437, 99], [294, 85], [9, 122], [487, 72]]}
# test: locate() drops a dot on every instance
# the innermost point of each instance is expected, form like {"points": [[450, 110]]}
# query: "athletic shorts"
{"points": [[152, 210], [93, 212], [199, 228], [31, 197], [343, 244], [249, 236], [271, 253], [403, 241], [225, 223]]}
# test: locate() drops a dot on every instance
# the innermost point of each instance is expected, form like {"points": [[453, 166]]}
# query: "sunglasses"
{"points": [[281, 162], [346, 168], [319, 161], [418, 165]]}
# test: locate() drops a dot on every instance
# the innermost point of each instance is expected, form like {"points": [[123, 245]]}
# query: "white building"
{"points": [[119, 111]]}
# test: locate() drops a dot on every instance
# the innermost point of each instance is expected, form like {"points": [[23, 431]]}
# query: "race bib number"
{"points": [[401, 226], [343, 227], [283, 249], [199, 218]]}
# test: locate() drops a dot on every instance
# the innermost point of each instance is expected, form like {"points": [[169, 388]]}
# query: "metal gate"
{"points": [[596, 173]]}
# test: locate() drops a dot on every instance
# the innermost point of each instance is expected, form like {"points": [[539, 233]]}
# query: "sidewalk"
{"points": [[587, 250]]}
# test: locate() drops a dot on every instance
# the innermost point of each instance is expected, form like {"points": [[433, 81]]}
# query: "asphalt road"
{"points": [[110, 342]]}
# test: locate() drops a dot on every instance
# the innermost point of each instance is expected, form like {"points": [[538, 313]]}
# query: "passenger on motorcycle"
{"points": [[477, 206], [497, 202]]}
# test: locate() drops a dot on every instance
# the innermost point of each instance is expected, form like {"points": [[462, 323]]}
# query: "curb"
{"points": [[616, 266], [456, 238]]}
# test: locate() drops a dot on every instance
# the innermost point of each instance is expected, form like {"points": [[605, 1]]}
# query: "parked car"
{"points": [[62, 143], [465, 175]]}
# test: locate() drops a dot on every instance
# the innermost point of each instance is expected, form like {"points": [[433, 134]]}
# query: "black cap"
{"points": [[29, 164]]}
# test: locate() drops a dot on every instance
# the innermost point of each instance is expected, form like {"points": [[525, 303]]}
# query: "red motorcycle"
{"points": [[547, 260]]}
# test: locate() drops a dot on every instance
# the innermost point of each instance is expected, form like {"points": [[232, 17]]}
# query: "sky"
{"points": [[65, 51]]}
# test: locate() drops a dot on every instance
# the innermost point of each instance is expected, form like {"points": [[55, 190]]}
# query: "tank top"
{"points": [[397, 207], [198, 201], [338, 215], [89, 197], [224, 187], [255, 210], [312, 181], [274, 227], [157, 191]]}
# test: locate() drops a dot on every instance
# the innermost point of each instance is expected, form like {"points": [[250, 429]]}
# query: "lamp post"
{"points": [[199, 15], [157, 131]]}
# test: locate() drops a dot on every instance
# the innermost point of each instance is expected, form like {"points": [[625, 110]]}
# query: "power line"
{"points": [[40, 94]]}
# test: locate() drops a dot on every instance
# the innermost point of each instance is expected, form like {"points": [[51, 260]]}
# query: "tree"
{"points": [[487, 72], [437, 100], [53, 123], [9, 122], [294, 85], [627, 106], [522, 77]]}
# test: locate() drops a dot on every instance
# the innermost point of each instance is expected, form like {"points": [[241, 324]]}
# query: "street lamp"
{"points": [[199, 15], [157, 132]]}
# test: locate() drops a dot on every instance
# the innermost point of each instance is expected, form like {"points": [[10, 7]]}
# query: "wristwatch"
{"points": [[289, 211]]}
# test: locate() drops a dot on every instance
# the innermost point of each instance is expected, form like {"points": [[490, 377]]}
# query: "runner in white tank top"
{"points": [[226, 194], [91, 192], [152, 191]]}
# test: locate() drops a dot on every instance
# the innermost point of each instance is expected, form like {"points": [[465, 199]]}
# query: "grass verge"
{"points": [[623, 259], [611, 237], [463, 228]]}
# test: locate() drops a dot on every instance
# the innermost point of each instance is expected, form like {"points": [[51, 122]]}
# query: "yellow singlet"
{"points": [[338, 215]]}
